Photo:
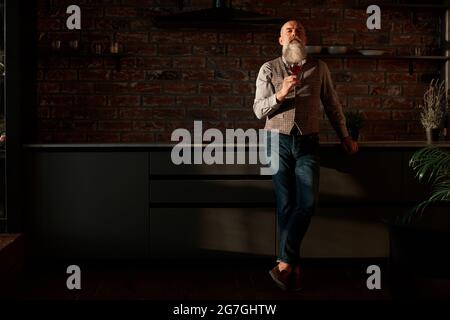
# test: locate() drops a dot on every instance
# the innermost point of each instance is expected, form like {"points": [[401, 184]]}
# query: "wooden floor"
{"points": [[235, 281]]}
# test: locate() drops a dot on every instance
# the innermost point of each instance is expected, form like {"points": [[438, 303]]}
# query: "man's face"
{"points": [[293, 40], [292, 30]]}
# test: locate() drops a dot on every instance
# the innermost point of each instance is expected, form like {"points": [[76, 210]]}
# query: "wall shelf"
{"points": [[385, 57]]}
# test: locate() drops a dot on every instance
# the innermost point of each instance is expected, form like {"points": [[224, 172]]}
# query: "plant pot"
{"points": [[421, 248], [432, 134]]}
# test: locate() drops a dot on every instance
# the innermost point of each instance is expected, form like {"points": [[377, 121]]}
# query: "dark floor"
{"points": [[323, 280], [223, 276]]}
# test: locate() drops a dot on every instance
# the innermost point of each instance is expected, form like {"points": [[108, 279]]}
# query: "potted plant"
{"points": [[419, 237], [433, 109], [354, 121]]}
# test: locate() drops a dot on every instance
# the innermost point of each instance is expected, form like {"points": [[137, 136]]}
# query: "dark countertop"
{"points": [[162, 146]]}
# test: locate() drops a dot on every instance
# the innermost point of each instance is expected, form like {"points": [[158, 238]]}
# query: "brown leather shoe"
{"points": [[281, 278], [296, 283]]}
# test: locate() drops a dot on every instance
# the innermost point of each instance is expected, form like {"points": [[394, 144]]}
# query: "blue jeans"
{"points": [[296, 187]]}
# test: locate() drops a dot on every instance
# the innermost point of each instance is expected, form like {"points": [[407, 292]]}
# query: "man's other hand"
{"points": [[350, 146]]}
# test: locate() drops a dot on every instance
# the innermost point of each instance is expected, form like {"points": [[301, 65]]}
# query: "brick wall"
{"points": [[169, 78]]}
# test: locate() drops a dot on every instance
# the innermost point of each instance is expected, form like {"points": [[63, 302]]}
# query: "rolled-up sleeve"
{"points": [[265, 97]]}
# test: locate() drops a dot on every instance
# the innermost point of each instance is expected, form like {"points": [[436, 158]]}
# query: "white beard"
{"points": [[294, 52]]}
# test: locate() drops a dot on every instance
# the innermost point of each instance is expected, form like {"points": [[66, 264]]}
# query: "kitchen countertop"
{"points": [[362, 145]]}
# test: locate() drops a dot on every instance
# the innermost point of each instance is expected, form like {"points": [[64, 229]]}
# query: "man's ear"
{"points": [[280, 40]]}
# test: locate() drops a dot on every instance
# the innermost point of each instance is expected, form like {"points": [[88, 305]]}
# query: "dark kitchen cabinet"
{"points": [[88, 204]]}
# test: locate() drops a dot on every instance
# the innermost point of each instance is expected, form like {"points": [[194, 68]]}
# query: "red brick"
{"points": [[226, 101], [49, 24], [414, 90], [127, 37], [126, 100], [243, 50], [101, 37], [317, 25], [214, 88], [289, 12], [48, 125], [63, 75], [120, 12], [193, 101], [199, 37], [203, 114], [266, 37], [387, 127], [101, 113], [166, 36], [368, 77], [401, 78], [337, 39], [406, 115], [426, 66], [180, 87], [43, 113], [174, 50], [136, 113], [364, 102], [361, 64], [155, 63], [235, 37], [145, 87], [166, 114], [359, 14], [102, 137], [333, 64], [48, 87], [231, 75], [94, 74], [253, 63], [393, 65], [68, 113], [385, 90], [352, 89], [377, 115], [147, 126], [244, 88], [351, 25], [55, 100], [86, 62], [77, 87], [219, 62], [372, 39], [91, 100], [209, 49], [191, 62], [397, 103], [239, 114], [128, 75], [69, 137], [419, 26], [111, 87], [137, 137], [141, 49], [321, 12], [116, 125], [202, 75], [82, 125], [405, 39], [125, 62], [158, 101]]}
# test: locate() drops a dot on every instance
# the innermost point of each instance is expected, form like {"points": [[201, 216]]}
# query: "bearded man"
{"points": [[289, 90]]}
